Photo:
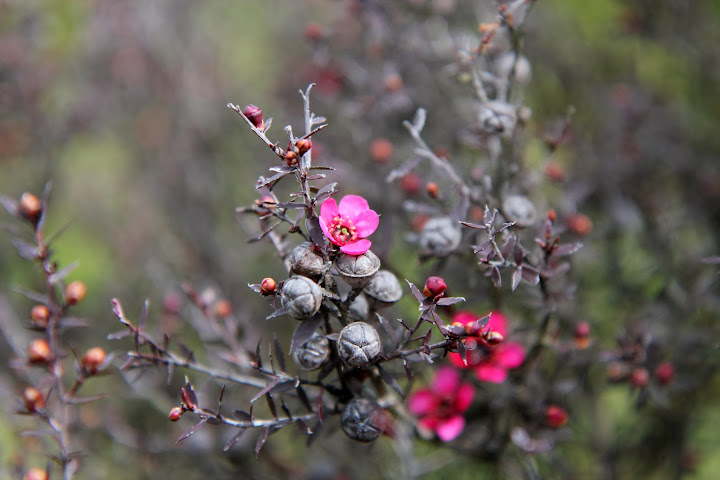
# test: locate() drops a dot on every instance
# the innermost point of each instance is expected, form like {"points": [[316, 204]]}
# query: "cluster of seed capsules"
{"points": [[309, 295]]}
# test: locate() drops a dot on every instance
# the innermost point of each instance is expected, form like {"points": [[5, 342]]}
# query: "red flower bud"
{"points": [[555, 172], [555, 416], [223, 308], [39, 351], [291, 158], [255, 115], [314, 32], [176, 413], [665, 373], [639, 377], [93, 359], [582, 335], [75, 292], [580, 224], [303, 145], [493, 338], [410, 183], [33, 399], [432, 189], [267, 286], [30, 207], [434, 286], [381, 150], [40, 314], [36, 473]]}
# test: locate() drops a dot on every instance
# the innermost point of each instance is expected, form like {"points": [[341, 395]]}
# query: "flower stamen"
{"points": [[343, 230]]}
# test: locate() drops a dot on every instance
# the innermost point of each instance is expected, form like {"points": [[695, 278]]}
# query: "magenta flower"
{"points": [[491, 363], [347, 225], [441, 406]]}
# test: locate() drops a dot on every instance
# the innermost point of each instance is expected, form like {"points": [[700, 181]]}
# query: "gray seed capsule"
{"points": [[312, 354], [301, 296], [520, 210], [358, 344], [383, 290], [357, 270], [362, 419], [498, 117], [305, 260], [440, 236]]}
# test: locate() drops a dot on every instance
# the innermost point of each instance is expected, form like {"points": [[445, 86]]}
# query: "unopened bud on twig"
{"points": [[36, 473], [39, 351], [175, 414], [434, 286], [555, 416], [255, 115], [30, 207], [93, 359], [33, 399], [75, 292], [303, 145], [267, 286], [40, 314]]}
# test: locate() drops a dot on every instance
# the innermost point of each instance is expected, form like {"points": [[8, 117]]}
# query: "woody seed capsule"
{"points": [[362, 419], [440, 236], [357, 270], [312, 354], [358, 344], [301, 296], [383, 290], [306, 260], [519, 209], [498, 117]]}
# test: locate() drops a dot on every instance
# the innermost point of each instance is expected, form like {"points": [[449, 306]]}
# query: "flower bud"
{"points": [[493, 337], [639, 377], [312, 354], [303, 145], [580, 224], [75, 292], [581, 335], [176, 413], [410, 183], [498, 117], [555, 172], [36, 473], [440, 236], [223, 308], [255, 115], [393, 83], [381, 150], [291, 158], [314, 32], [30, 207], [362, 419], [434, 286], [301, 296], [555, 416], [267, 286], [306, 260], [383, 290], [665, 373], [358, 344], [39, 351], [432, 189], [93, 359], [33, 399], [519, 209], [357, 270], [40, 315]]}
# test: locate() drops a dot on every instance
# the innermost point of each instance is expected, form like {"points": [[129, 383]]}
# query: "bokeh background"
{"points": [[121, 106]]}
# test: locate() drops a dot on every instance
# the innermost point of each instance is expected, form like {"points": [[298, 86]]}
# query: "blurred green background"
{"points": [[121, 105]]}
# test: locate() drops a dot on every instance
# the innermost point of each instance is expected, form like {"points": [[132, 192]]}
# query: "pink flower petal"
{"points": [[329, 210], [457, 360], [356, 248], [464, 317], [498, 323], [450, 429], [464, 397], [366, 223], [446, 381], [510, 355], [487, 372], [429, 423], [352, 205], [422, 402]]}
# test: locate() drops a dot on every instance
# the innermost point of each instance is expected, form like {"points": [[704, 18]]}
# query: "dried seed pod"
{"points": [[357, 270], [306, 260], [504, 67], [312, 354], [498, 117], [383, 290], [440, 236], [519, 209], [301, 296], [358, 344], [362, 419]]}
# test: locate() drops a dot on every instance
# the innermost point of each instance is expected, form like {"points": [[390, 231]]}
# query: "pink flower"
{"points": [[491, 363], [347, 225], [441, 406]]}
